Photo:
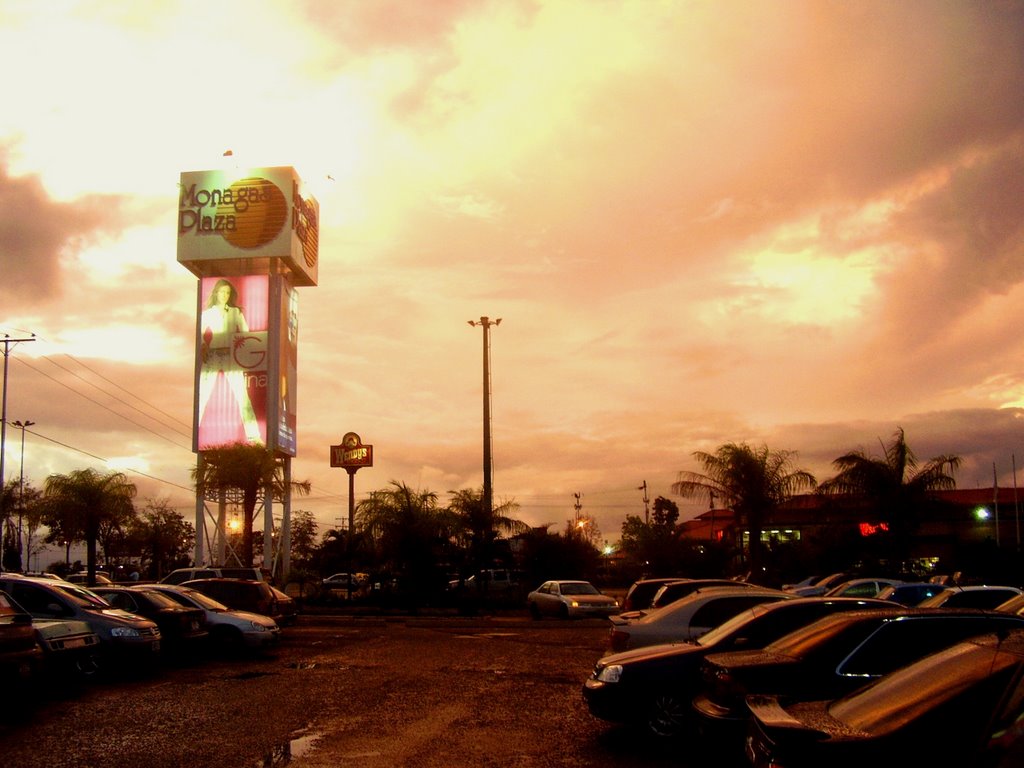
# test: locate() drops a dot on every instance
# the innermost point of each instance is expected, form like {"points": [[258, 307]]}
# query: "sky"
{"points": [[788, 224]]}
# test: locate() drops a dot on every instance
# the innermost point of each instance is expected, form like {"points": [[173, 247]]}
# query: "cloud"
{"points": [[37, 234]]}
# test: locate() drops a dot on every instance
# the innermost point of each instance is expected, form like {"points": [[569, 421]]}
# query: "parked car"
{"points": [[229, 629], [805, 582], [828, 659], [125, 638], [688, 618], [641, 593], [821, 586], [861, 587], [82, 578], [339, 582], [676, 590], [182, 628], [181, 575], [962, 706], [20, 654], [69, 646], [241, 594], [910, 592], [569, 599], [974, 596], [287, 608], [653, 686]]}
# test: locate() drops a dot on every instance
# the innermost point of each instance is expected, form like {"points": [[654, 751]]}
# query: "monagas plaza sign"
{"points": [[256, 214]]}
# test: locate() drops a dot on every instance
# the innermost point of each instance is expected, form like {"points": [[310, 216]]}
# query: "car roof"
{"points": [[706, 594]]}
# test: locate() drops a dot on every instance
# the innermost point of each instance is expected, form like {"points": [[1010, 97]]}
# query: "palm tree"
{"points": [[409, 531], [750, 481], [248, 469], [83, 501], [893, 486], [481, 527]]}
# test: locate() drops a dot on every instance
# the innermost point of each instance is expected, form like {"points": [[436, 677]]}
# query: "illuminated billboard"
{"points": [[286, 369], [232, 361], [259, 216]]}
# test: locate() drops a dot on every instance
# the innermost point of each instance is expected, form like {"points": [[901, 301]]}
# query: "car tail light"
{"points": [[618, 640]]}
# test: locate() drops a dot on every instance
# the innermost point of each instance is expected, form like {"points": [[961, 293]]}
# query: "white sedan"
{"points": [[690, 617], [228, 628], [570, 599]]}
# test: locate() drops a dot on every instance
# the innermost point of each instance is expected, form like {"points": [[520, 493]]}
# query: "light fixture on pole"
{"points": [[22, 425], [486, 323]]}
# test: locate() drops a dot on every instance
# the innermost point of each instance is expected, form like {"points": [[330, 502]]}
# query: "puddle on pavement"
{"points": [[281, 755]]}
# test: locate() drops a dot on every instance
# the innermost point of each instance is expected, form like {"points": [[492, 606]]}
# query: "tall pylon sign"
{"points": [[251, 237]]}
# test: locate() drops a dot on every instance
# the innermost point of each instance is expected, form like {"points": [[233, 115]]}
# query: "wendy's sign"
{"points": [[351, 454]]}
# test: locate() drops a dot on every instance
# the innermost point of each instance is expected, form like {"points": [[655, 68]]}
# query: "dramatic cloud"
{"points": [[795, 224]]}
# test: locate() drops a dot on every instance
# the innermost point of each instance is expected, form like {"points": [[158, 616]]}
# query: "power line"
{"points": [[96, 402]]}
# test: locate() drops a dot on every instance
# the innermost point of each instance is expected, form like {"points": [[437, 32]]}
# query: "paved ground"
{"points": [[374, 693]]}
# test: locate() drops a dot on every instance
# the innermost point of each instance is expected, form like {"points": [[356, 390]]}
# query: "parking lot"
{"points": [[417, 692]]}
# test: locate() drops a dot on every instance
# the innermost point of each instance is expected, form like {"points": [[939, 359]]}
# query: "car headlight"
{"points": [[610, 674], [124, 632], [574, 603], [259, 627]]}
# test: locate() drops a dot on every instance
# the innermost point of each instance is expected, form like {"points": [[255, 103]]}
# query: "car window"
{"points": [[720, 609], [121, 600], [160, 599], [38, 601], [197, 597], [897, 643], [899, 697]]}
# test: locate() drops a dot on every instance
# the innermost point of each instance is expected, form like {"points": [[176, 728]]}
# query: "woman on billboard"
{"points": [[220, 322]]}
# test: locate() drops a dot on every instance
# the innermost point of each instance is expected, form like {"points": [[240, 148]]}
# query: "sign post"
{"points": [[353, 456]]}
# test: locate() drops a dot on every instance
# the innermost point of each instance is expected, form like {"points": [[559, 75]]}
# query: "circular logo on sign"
{"points": [[260, 210]]}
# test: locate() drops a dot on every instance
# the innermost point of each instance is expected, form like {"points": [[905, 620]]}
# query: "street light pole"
{"points": [[22, 425], [486, 323], [7, 342]]}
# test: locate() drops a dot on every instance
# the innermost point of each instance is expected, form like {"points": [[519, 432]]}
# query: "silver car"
{"points": [[228, 628], [570, 599]]}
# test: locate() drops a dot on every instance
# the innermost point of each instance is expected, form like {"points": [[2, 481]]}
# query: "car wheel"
{"points": [[534, 611], [563, 611], [669, 715], [87, 666]]}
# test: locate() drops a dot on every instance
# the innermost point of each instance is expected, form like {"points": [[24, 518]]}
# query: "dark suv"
{"points": [[242, 595]]}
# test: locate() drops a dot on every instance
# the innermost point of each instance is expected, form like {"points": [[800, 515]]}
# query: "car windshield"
{"points": [[159, 599], [726, 629], [804, 640], [579, 588], [203, 601], [83, 596], [903, 695]]}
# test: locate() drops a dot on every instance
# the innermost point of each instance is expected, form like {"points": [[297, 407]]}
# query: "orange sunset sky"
{"points": [[792, 223]]}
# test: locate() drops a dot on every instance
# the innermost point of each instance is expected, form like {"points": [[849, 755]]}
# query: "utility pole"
{"points": [[7, 341], [647, 509], [488, 493]]}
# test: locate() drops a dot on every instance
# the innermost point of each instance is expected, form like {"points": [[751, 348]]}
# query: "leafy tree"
{"points": [[163, 536], [303, 536], [549, 555], [478, 528], [654, 545], [79, 503], [246, 469], [750, 481], [894, 486]]}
